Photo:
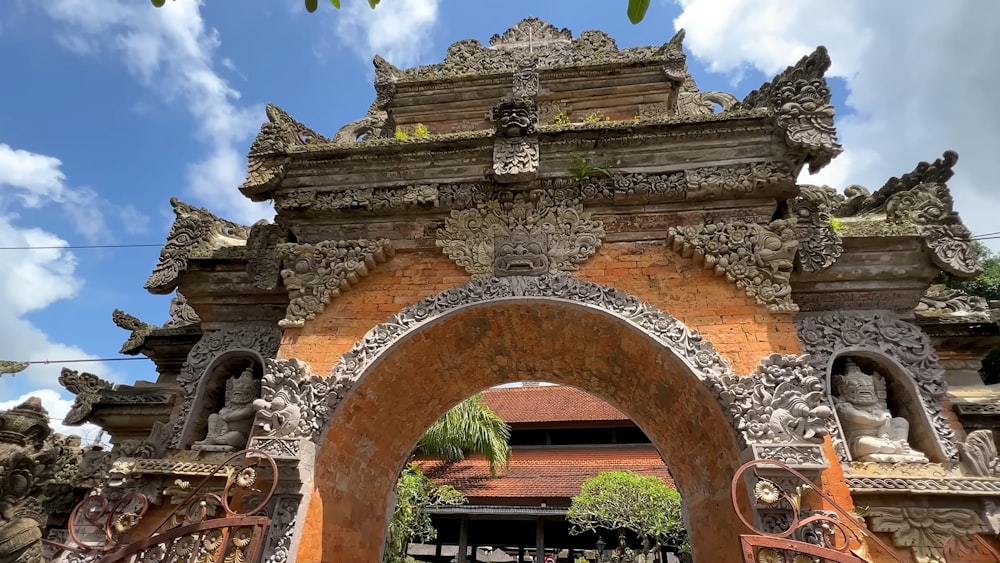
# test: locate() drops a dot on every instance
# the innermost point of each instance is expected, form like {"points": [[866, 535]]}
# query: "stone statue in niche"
{"points": [[872, 432], [229, 428]]}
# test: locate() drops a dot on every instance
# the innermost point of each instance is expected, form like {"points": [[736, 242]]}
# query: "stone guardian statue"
{"points": [[229, 429], [872, 432]]}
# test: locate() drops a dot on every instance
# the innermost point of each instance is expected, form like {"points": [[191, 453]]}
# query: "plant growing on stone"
{"points": [[561, 118], [400, 134], [421, 130], [415, 493], [583, 169], [621, 501]]}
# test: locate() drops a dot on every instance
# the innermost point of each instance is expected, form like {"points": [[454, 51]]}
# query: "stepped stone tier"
{"points": [[554, 207]]}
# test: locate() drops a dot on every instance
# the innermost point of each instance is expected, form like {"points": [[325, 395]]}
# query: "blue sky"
{"points": [[112, 106]]}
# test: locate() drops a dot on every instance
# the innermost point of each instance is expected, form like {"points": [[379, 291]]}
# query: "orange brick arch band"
{"points": [[410, 370]]}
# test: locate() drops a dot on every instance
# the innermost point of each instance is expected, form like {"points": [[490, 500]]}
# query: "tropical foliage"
{"points": [[636, 8], [623, 500], [468, 427], [986, 285]]}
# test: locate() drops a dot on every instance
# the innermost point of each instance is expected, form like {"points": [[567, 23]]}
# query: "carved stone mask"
{"points": [[515, 118], [856, 387], [520, 255]]}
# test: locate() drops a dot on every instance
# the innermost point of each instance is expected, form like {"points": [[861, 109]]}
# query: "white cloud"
{"points": [[171, 50], [398, 30], [35, 279], [57, 407], [921, 77]]}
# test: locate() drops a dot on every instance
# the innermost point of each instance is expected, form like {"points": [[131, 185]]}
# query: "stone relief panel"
{"points": [[542, 232], [195, 232], [758, 258], [261, 340], [515, 159], [820, 244], [294, 402], [828, 336], [263, 264], [924, 531], [979, 454], [315, 273]]}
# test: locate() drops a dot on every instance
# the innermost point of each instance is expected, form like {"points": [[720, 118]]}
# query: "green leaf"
{"points": [[159, 3], [312, 5], [336, 3], [373, 3], [637, 10]]}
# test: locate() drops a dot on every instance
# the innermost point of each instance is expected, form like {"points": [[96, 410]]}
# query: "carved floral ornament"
{"points": [[925, 531], [757, 257], [523, 235], [315, 273], [828, 336], [917, 203], [195, 232]]}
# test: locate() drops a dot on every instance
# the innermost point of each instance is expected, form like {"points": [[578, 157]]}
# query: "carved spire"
{"points": [[195, 232]]}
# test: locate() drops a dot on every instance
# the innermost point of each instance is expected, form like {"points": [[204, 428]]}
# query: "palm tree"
{"points": [[469, 427]]}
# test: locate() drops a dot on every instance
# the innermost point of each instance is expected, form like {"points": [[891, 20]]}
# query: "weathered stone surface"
{"points": [[953, 305], [313, 274], [195, 232], [87, 387], [540, 232], [294, 402], [800, 97], [757, 258], [925, 530], [263, 264], [819, 243]]}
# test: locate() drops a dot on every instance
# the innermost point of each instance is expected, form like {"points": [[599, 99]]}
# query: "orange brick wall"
{"points": [[741, 330]]}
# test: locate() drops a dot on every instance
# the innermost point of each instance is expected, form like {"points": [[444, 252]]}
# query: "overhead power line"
{"points": [[78, 247]]}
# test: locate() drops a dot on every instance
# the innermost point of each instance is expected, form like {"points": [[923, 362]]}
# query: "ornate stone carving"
{"points": [[782, 401], [315, 273], [920, 200], [798, 456], [181, 314], [266, 161], [278, 543], [229, 428], [372, 125], [87, 387], [517, 228], [260, 339], [829, 335], [635, 187], [979, 454], [195, 232], [819, 243], [515, 159], [691, 101], [263, 264], [710, 181], [800, 98], [757, 257], [26, 467], [139, 330], [294, 402], [525, 80], [552, 49], [925, 485], [9, 367], [706, 363], [925, 530], [515, 117], [872, 432], [947, 304]]}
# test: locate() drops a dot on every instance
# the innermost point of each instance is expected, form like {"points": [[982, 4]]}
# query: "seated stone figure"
{"points": [[230, 428], [872, 432]]}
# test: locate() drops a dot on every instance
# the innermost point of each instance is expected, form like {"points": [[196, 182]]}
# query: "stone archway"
{"points": [[410, 370]]}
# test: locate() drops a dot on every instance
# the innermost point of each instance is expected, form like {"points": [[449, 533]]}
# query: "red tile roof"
{"points": [[548, 403], [545, 472]]}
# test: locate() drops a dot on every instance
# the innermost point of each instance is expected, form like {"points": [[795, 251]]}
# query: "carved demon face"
{"points": [[520, 255], [858, 388], [515, 118]]}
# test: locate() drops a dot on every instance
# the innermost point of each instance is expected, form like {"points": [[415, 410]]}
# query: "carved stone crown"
{"points": [[26, 424], [851, 379], [245, 383]]}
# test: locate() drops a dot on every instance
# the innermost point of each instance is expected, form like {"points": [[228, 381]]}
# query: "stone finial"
{"points": [[88, 388], [11, 367], [181, 314], [800, 97], [139, 330], [758, 258], [26, 425], [195, 232], [530, 31], [265, 161]]}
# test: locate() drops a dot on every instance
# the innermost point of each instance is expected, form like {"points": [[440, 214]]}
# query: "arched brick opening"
{"points": [[444, 360]]}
